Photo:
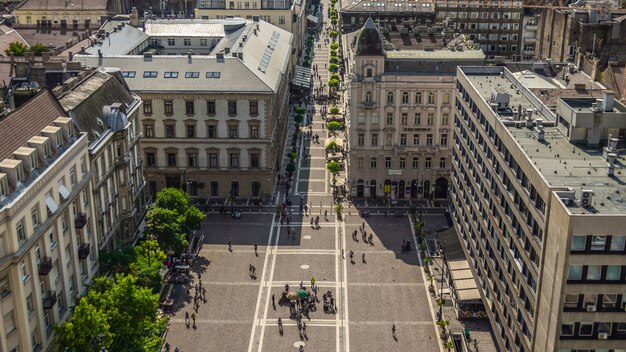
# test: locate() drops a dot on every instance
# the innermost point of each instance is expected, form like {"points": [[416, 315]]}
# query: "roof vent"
{"points": [[586, 196], [608, 101], [610, 167]]}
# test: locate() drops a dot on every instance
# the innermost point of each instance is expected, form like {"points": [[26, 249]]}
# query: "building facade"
{"points": [[535, 199], [48, 245], [401, 117], [213, 124], [103, 107], [62, 14]]}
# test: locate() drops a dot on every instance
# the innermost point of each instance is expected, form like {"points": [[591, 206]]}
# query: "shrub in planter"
{"points": [[299, 110], [333, 83], [333, 21], [293, 156], [308, 51], [334, 46], [333, 34], [333, 68], [291, 167], [333, 126], [333, 167], [333, 60], [334, 76], [333, 53], [299, 118], [334, 110]]}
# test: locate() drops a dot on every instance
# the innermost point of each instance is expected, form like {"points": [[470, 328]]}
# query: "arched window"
{"points": [[431, 98], [368, 97], [446, 98], [405, 97], [390, 97], [418, 98]]}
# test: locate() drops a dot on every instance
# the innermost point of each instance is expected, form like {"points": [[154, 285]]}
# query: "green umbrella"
{"points": [[303, 294]]}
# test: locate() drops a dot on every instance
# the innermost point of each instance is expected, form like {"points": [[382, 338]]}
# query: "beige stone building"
{"points": [[103, 107], [48, 245], [78, 14], [212, 124], [401, 117], [537, 200]]}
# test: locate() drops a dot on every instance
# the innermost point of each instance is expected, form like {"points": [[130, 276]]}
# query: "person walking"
{"points": [[393, 331], [363, 258], [280, 326], [304, 328], [193, 317], [274, 301], [256, 253], [230, 244], [351, 257]]}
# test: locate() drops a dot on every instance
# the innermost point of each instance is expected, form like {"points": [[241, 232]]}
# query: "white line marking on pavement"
{"points": [[344, 282], [337, 289], [214, 321]]}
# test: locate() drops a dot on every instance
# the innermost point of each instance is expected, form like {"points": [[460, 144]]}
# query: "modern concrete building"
{"points": [[289, 15], [536, 198], [401, 116], [103, 107], [48, 244], [213, 124]]}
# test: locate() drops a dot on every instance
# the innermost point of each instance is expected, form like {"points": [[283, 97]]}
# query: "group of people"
{"points": [[199, 296]]}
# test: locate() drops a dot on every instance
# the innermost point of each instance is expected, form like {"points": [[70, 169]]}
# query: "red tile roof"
{"points": [[27, 121]]}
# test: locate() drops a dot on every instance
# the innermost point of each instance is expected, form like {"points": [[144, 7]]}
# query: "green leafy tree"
{"points": [[333, 68], [331, 146], [299, 118], [334, 167], [38, 49], [333, 53], [333, 21], [293, 156], [333, 126], [291, 167], [82, 332], [164, 225], [333, 83], [299, 110], [116, 261], [179, 201], [333, 60], [334, 46], [449, 345], [333, 34], [334, 110], [17, 48], [148, 265]]}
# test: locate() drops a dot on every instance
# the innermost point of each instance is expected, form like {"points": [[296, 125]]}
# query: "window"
{"points": [[3, 248], [418, 118], [232, 131], [446, 98], [617, 243], [168, 107], [34, 215], [210, 108], [402, 162], [19, 229], [204, 42], [431, 98], [9, 322], [171, 159], [429, 139], [368, 72], [598, 243], [405, 97], [389, 120], [24, 271], [192, 159], [189, 110], [404, 118], [578, 243], [416, 162], [169, 131], [390, 97], [609, 300], [374, 139], [388, 162], [214, 189], [211, 131], [361, 139], [428, 163], [281, 19], [192, 74], [191, 131], [418, 98], [445, 119], [567, 329], [234, 159], [151, 159], [170, 74], [232, 108], [373, 163], [129, 74], [5, 287], [29, 304], [416, 139], [368, 97], [150, 74], [254, 131], [255, 160], [171, 41], [442, 163], [187, 42], [613, 272], [53, 239], [575, 272], [360, 162], [444, 139], [403, 139], [388, 139], [254, 108], [213, 160], [147, 107], [431, 119], [594, 272], [586, 329], [571, 301], [148, 131]]}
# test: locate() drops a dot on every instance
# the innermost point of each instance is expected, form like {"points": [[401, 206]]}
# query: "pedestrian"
{"points": [[312, 221], [200, 276], [370, 239], [351, 256], [250, 269], [393, 330], [304, 328], [193, 317], [255, 250], [187, 317], [274, 301], [312, 281], [230, 244], [280, 326], [286, 287], [363, 258]]}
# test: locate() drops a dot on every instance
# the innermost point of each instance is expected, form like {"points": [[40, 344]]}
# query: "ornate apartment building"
{"points": [[212, 124], [48, 245], [401, 105]]}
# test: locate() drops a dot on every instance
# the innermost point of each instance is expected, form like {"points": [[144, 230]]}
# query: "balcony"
{"points": [[530, 27], [45, 266], [80, 220], [84, 249], [530, 40], [368, 104], [49, 299]]}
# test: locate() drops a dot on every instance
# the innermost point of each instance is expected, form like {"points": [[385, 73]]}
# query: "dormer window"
{"points": [[46, 150], [4, 187], [19, 172], [59, 138], [369, 72], [33, 161]]}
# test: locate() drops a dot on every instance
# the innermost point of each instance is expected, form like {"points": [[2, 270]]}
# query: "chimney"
{"points": [[610, 167], [134, 17], [608, 101], [70, 55]]}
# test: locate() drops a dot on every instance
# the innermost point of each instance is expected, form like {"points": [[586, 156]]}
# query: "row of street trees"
{"points": [[120, 310]]}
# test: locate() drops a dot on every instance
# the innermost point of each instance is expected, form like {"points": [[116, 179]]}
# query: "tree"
{"points": [[334, 46], [331, 146], [17, 48], [333, 68], [148, 265], [164, 225], [449, 345], [179, 201], [291, 167], [299, 118], [334, 110], [333, 83], [333, 21], [293, 156], [333, 126], [299, 110], [333, 34], [116, 261], [333, 53], [333, 60], [334, 167], [38, 49], [80, 333]]}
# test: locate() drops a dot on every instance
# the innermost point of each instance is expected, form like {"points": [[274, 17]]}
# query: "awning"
{"points": [[63, 191], [52, 205], [302, 77], [312, 18]]}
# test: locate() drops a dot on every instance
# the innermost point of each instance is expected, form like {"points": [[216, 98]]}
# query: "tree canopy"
{"points": [[334, 167], [20, 49], [148, 265]]}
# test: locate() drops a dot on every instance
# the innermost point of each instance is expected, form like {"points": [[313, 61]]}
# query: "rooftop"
{"points": [[78, 5], [579, 166], [418, 6], [190, 28]]}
